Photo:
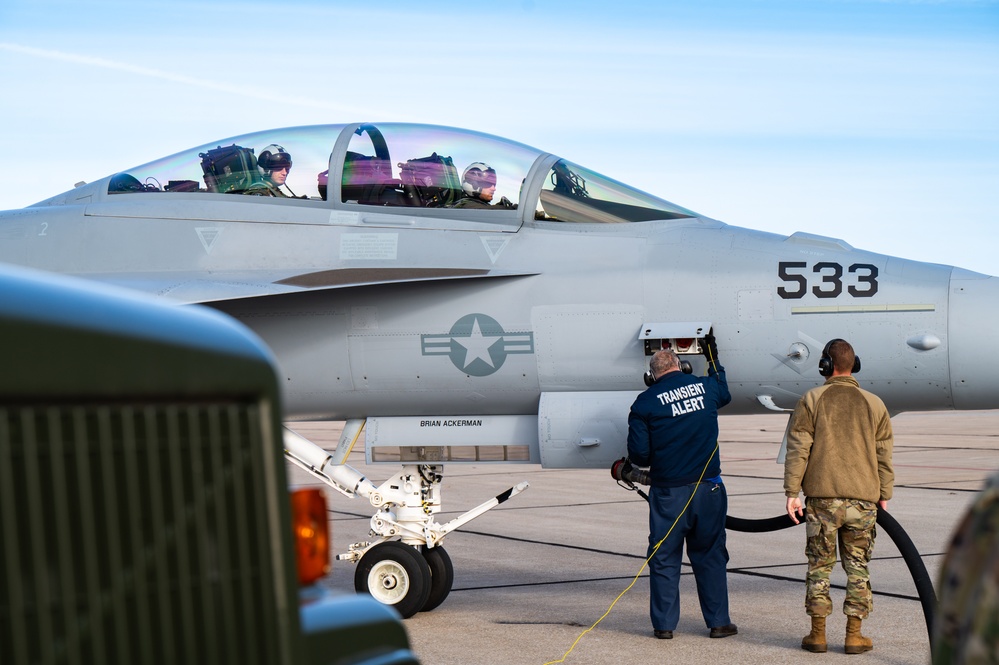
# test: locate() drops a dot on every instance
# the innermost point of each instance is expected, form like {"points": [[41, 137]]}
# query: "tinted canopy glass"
{"points": [[572, 193], [234, 166], [434, 167], [398, 165]]}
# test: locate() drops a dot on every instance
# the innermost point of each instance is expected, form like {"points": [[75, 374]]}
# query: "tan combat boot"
{"points": [[855, 642], [815, 641]]}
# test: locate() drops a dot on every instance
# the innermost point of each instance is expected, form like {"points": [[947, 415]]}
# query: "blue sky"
{"points": [[874, 122]]}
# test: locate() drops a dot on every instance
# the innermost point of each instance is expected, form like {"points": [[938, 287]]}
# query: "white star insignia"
{"points": [[477, 346]]}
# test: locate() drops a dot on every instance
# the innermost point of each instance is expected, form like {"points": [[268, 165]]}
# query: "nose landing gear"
{"points": [[404, 565]]}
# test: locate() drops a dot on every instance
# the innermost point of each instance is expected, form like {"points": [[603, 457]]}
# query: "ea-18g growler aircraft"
{"points": [[464, 298]]}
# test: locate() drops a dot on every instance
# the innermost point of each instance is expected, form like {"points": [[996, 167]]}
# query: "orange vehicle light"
{"points": [[310, 523]]}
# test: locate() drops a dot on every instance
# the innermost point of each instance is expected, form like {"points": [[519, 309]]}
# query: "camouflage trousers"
{"points": [[852, 523]]}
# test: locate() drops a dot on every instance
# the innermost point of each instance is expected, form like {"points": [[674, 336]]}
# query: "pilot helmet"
{"points": [[477, 176], [273, 157]]}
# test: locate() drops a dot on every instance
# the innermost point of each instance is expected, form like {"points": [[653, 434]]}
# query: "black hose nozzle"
{"points": [[624, 471]]}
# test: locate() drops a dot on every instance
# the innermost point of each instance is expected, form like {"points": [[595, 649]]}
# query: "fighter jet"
{"points": [[463, 298]]}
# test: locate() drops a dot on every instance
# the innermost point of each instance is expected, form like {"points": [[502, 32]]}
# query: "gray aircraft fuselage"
{"points": [[378, 306]]}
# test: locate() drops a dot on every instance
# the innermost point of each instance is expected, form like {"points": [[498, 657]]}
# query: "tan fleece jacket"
{"points": [[840, 444]]}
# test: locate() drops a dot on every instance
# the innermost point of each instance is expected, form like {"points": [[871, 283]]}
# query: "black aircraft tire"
{"points": [[395, 574], [914, 562], [441, 576]]}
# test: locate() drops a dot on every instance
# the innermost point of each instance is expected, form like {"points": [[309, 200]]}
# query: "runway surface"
{"points": [[532, 575]]}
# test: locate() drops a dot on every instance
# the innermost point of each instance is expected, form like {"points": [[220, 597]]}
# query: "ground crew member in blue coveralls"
{"points": [[839, 450], [673, 429]]}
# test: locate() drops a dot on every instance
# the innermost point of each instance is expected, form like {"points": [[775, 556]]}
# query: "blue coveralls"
{"points": [[673, 429]]}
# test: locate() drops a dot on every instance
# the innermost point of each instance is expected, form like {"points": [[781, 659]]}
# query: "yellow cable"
{"points": [[637, 575], [711, 360]]}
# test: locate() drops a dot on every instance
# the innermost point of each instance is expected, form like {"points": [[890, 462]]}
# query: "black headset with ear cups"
{"points": [[826, 363], [651, 378]]}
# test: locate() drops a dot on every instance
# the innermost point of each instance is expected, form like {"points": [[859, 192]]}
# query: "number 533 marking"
{"points": [[827, 279]]}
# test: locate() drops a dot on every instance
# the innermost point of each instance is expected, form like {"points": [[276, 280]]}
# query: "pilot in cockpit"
{"points": [[274, 163], [478, 182]]}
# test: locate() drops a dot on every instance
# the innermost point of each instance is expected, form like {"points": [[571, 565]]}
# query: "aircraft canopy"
{"points": [[397, 165]]}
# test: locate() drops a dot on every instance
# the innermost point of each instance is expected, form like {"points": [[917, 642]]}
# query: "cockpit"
{"points": [[422, 170]]}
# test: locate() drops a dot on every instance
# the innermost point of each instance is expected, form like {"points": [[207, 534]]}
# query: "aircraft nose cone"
{"points": [[973, 324]]}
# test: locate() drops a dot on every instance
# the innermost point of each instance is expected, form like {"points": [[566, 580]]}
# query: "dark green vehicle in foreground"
{"points": [[145, 515]]}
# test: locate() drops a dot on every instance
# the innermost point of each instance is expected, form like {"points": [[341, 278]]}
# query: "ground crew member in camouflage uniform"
{"points": [[839, 450], [966, 629]]}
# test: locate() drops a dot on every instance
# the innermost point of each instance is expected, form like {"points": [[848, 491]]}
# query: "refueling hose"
{"points": [[914, 562]]}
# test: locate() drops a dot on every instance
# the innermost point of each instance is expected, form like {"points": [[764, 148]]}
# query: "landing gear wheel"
{"points": [[395, 574], [441, 576]]}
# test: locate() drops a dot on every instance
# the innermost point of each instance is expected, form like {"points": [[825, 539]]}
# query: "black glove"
{"points": [[709, 348], [621, 469]]}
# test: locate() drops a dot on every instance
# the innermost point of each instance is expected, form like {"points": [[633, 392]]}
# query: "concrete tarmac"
{"points": [[533, 575]]}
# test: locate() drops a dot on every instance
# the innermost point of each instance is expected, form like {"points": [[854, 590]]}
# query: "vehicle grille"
{"points": [[136, 533]]}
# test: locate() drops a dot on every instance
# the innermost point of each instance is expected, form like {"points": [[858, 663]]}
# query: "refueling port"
{"points": [[682, 338]]}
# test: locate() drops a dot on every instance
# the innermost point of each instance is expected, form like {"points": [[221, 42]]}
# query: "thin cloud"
{"points": [[244, 91]]}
